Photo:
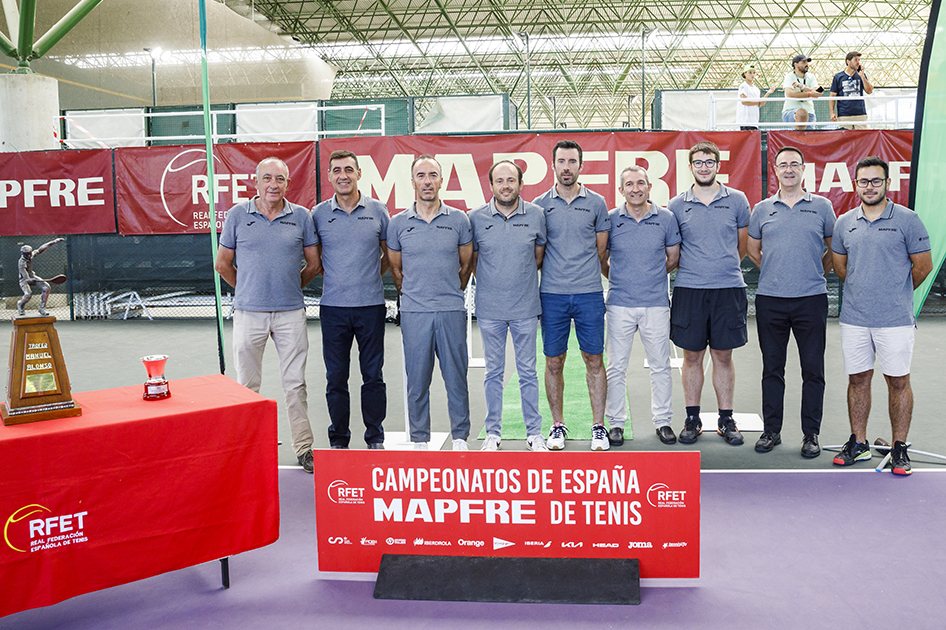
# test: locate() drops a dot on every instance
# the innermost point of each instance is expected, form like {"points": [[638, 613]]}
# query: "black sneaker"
{"points": [[616, 436], [306, 462], [810, 447], [666, 435], [727, 429], [853, 451], [899, 460], [767, 442], [692, 428]]}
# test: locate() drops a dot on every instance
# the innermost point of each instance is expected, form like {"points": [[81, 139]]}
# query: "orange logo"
{"points": [[19, 515]]}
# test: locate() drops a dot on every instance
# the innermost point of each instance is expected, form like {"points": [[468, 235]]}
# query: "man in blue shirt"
{"points": [[882, 253], [851, 82], [352, 229]]}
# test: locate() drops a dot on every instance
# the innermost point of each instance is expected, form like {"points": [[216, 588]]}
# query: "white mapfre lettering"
{"points": [[68, 193]]}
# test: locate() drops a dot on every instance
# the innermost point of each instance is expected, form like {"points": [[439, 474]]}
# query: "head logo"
{"points": [[24, 512], [340, 492]]}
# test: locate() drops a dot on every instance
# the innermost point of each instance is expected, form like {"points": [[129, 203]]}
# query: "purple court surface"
{"points": [[793, 549]]}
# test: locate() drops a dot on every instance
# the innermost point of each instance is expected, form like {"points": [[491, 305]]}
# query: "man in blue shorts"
{"points": [[644, 245], [709, 295], [508, 248], [801, 88], [790, 242], [268, 252], [882, 253], [352, 229], [578, 224], [430, 248]]}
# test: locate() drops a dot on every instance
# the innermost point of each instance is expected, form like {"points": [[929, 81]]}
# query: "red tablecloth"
{"points": [[134, 488]]}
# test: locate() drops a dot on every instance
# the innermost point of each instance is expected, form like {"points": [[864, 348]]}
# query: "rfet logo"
{"points": [[660, 495], [25, 534], [340, 492], [191, 164]]}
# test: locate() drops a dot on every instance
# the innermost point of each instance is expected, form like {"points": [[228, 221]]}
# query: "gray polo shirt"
{"points": [[571, 265], [268, 255], [507, 280], [639, 256], [792, 244], [878, 289], [430, 258], [351, 251], [709, 251]]}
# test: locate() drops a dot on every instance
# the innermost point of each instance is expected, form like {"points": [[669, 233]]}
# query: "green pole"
{"points": [[27, 22], [209, 143], [60, 28], [7, 47]]}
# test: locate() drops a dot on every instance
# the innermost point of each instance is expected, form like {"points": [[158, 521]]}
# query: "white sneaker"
{"points": [[599, 438], [557, 437], [536, 443], [420, 446], [460, 445], [491, 444]]}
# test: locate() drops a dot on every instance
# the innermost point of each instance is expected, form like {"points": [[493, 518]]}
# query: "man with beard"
{"points": [[882, 253], [709, 296], [508, 248], [578, 225], [790, 242], [430, 247], [801, 87]]}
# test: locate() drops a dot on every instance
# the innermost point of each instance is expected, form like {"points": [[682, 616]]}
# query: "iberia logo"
{"points": [[32, 528]]}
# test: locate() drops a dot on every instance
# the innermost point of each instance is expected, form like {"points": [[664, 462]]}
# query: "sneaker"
{"points": [[491, 444], [692, 428], [767, 441], [727, 429], [899, 460], [853, 451], [557, 437], [460, 445], [421, 446], [665, 433], [616, 436], [536, 444], [305, 460], [810, 447], [599, 438]]}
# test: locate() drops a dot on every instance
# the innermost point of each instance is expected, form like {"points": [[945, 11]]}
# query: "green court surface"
{"points": [[576, 405]]}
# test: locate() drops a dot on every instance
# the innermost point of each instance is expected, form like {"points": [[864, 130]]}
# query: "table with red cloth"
{"points": [[133, 488]]}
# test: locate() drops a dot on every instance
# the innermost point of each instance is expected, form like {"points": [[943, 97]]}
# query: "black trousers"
{"points": [[807, 319], [340, 326]]}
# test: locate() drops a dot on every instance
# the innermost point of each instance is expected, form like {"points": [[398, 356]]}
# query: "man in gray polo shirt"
{"points": [[882, 253], [352, 229], [430, 248], [268, 253], [508, 248], [644, 246], [577, 222], [790, 242], [709, 295]]}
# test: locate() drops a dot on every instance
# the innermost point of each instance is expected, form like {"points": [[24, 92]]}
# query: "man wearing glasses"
{"points": [[882, 253], [790, 242], [709, 295]]}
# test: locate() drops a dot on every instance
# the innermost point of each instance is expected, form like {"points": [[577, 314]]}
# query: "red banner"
{"points": [[510, 504], [56, 192], [386, 163], [830, 157], [163, 190]]}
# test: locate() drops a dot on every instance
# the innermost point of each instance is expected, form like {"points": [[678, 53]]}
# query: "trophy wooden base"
{"points": [[38, 386]]}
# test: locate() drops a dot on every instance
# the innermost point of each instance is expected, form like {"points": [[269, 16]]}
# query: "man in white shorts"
{"points": [[881, 251]]}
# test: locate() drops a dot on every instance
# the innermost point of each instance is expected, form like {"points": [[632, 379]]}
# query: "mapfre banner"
{"points": [[56, 192], [164, 190], [830, 157], [386, 163], [518, 504]]}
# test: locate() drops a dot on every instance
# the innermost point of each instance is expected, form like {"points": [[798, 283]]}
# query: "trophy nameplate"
{"points": [[38, 385]]}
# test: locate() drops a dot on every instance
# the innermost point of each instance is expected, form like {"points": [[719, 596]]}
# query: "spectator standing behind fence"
{"points": [[801, 88], [268, 253], [352, 229], [852, 81], [749, 105]]}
